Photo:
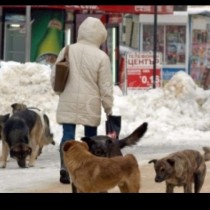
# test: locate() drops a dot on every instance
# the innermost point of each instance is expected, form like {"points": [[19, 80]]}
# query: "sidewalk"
{"points": [[148, 185]]}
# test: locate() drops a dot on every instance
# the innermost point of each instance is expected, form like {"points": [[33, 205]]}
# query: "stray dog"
{"points": [[91, 173], [104, 146], [20, 106], [24, 133], [16, 141], [181, 168]]}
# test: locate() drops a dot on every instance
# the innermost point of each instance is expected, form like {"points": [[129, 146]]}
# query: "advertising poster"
{"points": [[140, 70], [199, 58], [148, 38], [175, 44], [47, 35]]}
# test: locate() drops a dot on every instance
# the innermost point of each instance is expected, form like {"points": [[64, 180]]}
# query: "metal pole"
{"points": [[28, 34], [155, 44], [1, 20]]}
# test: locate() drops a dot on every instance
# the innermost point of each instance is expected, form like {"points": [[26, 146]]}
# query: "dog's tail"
{"points": [[206, 153], [134, 137]]}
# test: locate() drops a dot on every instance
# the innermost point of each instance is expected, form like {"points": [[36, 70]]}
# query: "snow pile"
{"points": [[180, 112]]}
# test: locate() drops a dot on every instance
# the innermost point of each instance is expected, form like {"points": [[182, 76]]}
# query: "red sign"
{"points": [[140, 70], [138, 9], [142, 79]]}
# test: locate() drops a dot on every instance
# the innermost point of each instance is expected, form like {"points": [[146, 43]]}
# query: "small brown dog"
{"points": [[91, 173], [181, 168]]}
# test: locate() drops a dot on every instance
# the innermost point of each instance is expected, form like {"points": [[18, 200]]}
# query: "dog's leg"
{"points": [[35, 150], [131, 186], [199, 178], [123, 187], [169, 188], [39, 152], [73, 187], [188, 188], [5, 153]]}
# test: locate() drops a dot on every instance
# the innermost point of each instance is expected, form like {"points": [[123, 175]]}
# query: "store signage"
{"points": [[138, 9], [139, 66]]}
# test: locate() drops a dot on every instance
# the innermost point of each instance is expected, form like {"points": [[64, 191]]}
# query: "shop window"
{"points": [[148, 38], [200, 57], [170, 42]]}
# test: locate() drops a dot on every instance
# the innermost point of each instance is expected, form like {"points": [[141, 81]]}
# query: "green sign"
{"points": [[47, 36]]}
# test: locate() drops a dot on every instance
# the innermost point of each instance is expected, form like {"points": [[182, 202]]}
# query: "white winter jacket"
{"points": [[89, 86]]}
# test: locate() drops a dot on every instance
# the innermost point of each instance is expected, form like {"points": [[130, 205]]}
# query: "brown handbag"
{"points": [[61, 72]]}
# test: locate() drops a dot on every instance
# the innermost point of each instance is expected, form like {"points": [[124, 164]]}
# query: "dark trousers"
{"points": [[70, 129], [69, 134]]}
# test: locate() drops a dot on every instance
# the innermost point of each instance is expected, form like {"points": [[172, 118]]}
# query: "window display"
{"points": [[175, 44], [170, 42], [148, 38], [200, 57]]}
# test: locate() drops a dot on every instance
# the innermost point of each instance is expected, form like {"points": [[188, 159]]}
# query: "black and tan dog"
{"points": [[104, 146], [24, 134], [20, 106], [91, 173], [181, 168]]}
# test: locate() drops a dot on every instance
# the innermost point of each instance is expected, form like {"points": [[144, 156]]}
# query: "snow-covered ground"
{"points": [[178, 117]]}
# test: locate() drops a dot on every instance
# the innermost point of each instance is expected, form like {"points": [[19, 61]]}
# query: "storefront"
{"points": [[37, 37], [172, 41], [49, 33], [199, 62]]}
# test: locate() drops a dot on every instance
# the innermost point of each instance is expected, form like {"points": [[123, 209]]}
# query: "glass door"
{"points": [[14, 45]]}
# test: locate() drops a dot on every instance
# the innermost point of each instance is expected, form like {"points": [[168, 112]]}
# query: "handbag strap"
{"points": [[66, 53]]}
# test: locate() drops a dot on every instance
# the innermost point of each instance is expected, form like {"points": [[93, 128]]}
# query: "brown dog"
{"points": [[91, 173], [182, 168]]}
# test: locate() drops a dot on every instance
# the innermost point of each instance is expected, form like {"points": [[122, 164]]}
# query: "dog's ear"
{"points": [[67, 145], [88, 141], [171, 161], [18, 107], [153, 161], [14, 105]]}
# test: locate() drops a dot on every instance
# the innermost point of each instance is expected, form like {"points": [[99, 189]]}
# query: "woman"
{"points": [[89, 86]]}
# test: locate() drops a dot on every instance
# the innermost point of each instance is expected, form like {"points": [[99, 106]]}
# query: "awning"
{"points": [[137, 9]]}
